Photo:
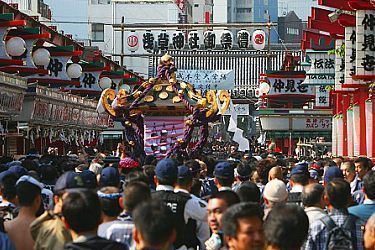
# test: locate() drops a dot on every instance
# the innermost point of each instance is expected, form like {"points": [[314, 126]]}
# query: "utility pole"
{"points": [[269, 43], [122, 40]]}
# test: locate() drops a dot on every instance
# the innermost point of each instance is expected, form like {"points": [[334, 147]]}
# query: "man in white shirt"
{"points": [[313, 201], [184, 184]]}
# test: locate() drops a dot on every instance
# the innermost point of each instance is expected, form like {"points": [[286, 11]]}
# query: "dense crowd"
{"points": [[96, 201]]}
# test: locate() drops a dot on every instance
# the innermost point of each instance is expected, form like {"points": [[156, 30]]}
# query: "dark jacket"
{"points": [[96, 243]]}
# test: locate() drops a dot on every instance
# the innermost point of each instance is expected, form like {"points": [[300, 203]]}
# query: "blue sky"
{"points": [[72, 11]]}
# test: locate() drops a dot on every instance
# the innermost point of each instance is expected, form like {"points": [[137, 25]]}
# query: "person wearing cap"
{"points": [[332, 173], [313, 176], [299, 177], [181, 204], [29, 197], [199, 230], [48, 230], [224, 176], [109, 177], [274, 193]]}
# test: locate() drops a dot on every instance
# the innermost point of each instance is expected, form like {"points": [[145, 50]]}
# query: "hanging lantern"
{"points": [[178, 40], [132, 41], [41, 57], [226, 39], [194, 40], [15, 46], [74, 70], [105, 83], [243, 38], [264, 88], [259, 39], [209, 39], [257, 92]]}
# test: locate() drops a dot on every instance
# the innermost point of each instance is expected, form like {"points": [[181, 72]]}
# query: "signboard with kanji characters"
{"points": [[312, 123], [208, 79], [322, 70], [89, 81], [288, 85], [239, 109], [350, 54], [339, 66], [321, 97], [365, 42]]}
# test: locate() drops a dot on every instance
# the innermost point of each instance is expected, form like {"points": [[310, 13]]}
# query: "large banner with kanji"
{"points": [[208, 79]]}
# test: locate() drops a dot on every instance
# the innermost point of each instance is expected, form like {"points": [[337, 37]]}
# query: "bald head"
{"points": [[275, 173], [371, 222], [312, 195]]}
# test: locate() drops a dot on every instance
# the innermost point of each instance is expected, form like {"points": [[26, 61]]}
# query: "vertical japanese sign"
{"points": [[339, 66], [350, 54], [321, 97], [365, 43], [322, 70]]}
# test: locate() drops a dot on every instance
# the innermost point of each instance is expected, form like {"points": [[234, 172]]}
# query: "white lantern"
{"points": [[15, 46], [132, 41], [74, 70], [259, 39], [178, 40], [257, 92], [264, 88], [226, 39], [105, 83], [193, 39], [41, 57], [125, 87]]}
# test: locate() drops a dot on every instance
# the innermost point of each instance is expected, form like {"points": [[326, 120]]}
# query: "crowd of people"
{"points": [[93, 201]]}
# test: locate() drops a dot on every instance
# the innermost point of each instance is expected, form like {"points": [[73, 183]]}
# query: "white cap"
{"points": [[31, 180], [275, 191]]}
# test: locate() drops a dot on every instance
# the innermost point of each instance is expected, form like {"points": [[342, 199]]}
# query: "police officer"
{"points": [[181, 204], [199, 231]]}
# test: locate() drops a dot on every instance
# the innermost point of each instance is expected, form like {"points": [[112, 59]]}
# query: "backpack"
{"points": [[338, 238]]}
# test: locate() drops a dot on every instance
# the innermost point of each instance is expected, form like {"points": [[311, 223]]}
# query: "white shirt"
{"points": [[296, 189], [203, 231], [353, 184], [314, 213], [194, 208], [225, 189]]}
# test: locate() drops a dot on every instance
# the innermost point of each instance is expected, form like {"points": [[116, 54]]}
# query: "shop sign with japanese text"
{"points": [[321, 97], [322, 69], [312, 123], [288, 86]]}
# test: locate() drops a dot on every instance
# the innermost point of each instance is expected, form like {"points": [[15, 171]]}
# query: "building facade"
{"points": [[290, 28]]}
